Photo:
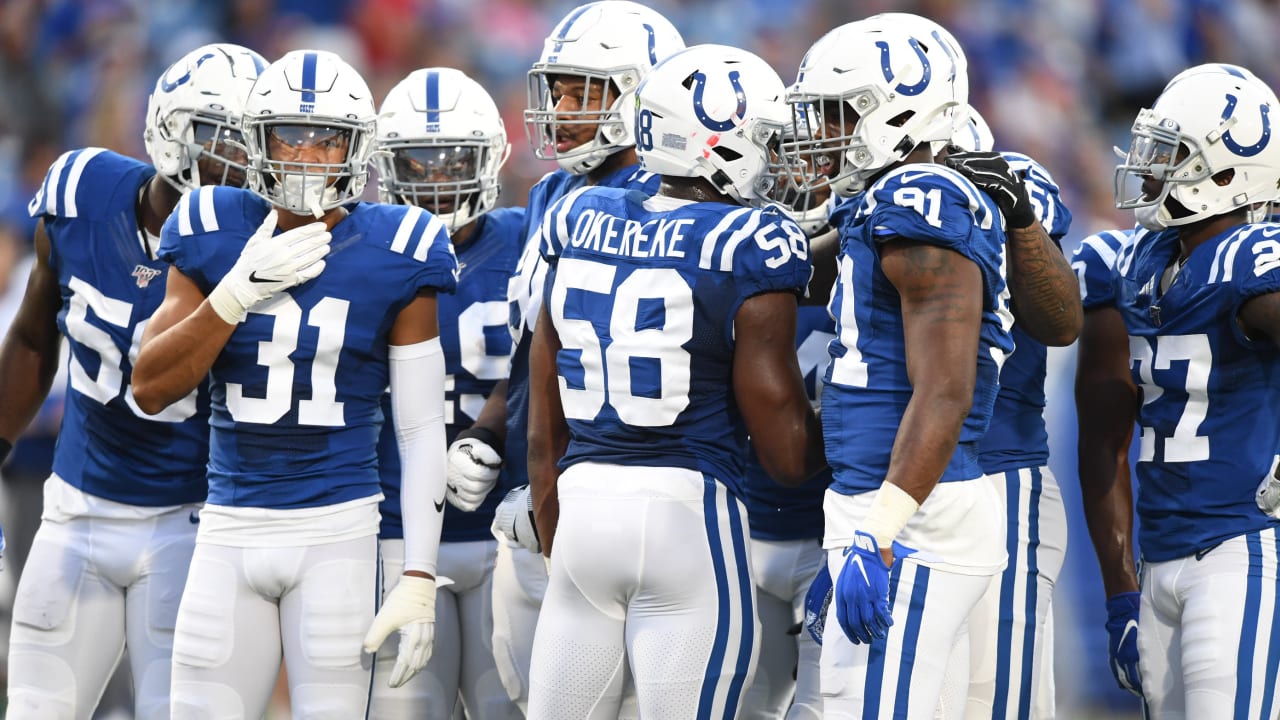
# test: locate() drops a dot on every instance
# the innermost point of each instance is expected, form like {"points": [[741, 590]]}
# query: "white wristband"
{"points": [[889, 513], [224, 302]]}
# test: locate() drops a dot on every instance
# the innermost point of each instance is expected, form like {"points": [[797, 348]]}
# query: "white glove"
{"points": [[1268, 495], [471, 472], [410, 607], [513, 519], [269, 264]]}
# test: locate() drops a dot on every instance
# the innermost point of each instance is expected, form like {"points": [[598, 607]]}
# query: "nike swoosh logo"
{"points": [[857, 560], [906, 178], [253, 277], [1131, 626], [439, 505]]}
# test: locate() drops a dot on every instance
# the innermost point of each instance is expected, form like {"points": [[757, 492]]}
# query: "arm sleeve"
{"points": [[417, 406]]}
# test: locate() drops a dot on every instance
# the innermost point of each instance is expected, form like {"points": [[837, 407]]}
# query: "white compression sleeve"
{"points": [[417, 406]]}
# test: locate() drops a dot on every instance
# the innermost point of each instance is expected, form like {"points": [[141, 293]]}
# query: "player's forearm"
{"points": [[791, 452], [26, 373], [417, 375], [1105, 431], [548, 430], [173, 362], [927, 439], [493, 416], [1046, 293]]}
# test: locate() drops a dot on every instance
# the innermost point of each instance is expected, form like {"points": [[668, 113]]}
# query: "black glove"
{"points": [[992, 175]]}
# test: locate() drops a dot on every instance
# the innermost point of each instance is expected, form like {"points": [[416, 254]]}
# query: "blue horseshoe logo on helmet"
{"points": [[887, 69], [1247, 150], [168, 87], [699, 84]]}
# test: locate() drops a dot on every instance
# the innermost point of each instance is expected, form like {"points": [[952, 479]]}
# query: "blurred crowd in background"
{"points": [[1060, 81]]}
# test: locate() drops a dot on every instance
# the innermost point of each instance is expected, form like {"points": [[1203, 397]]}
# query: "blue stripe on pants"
{"points": [[748, 613], [875, 658], [711, 678], [910, 638], [1249, 626]]}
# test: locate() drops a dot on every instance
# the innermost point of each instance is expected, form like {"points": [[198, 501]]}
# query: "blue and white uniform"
{"points": [[109, 561], [1207, 632], [959, 530], [520, 577], [786, 554], [643, 294], [1011, 630], [287, 552], [477, 350]]}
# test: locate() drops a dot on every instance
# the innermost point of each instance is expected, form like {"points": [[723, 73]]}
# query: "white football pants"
{"points": [[243, 607], [651, 568], [91, 585], [786, 682]]}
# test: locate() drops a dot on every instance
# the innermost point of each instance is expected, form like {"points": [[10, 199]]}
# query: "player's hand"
{"points": [[862, 590], [513, 519], [269, 264], [1122, 640], [992, 175], [471, 472], [1268, 495], [410, 607], [816, 602]]}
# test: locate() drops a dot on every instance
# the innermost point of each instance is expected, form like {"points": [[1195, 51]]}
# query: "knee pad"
{"points": [[41, 687], [205, 635]]}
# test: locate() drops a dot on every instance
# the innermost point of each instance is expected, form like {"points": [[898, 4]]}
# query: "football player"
{"points": [[580, 113], [300, 350], [914, 531], [441, 143], [1199, 299], [109, 561], [665, 339]]}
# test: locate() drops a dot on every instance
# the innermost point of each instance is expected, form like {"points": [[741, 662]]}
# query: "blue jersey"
{"points": [[1017, 437], [110, 286], [477, 349], [866, 387], [297, 388], [1094, 262], [1210, 431], [775, 512], [525, 297], [643, 293]]}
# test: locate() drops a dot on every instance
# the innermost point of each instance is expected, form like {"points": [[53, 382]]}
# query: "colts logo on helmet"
{"points": [[1247, 150], [887, 68], [169, 87], [700, 84]]}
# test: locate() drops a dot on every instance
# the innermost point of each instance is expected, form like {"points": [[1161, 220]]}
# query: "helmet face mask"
{"points": [[1204, 149], [605, 48], [309, 96], [194, 115], [440, 146]]}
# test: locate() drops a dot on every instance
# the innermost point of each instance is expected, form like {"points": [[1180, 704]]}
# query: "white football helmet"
{"points": [[195, 112], [319, 91], [872, 92], [924, 29], [714, 112], [1208, 121], [612, 44], [440, 145], [973, 133]]}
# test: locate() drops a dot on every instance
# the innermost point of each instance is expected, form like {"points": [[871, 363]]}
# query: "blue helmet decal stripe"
{"points": [[309, 62], [568, 23], [1247, 150], [433, 99], [700, 84], [653, 50]]}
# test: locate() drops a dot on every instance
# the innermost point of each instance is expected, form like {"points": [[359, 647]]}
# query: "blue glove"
{"points": [[816, 602], [862, 591], [1122, 642]]}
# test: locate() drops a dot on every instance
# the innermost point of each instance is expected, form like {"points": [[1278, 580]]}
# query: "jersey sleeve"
{"points": [[1044, 193], [425, 238], [88, 183], [773, 257], [1094, 261], [1252, 268], [929, 203]]}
